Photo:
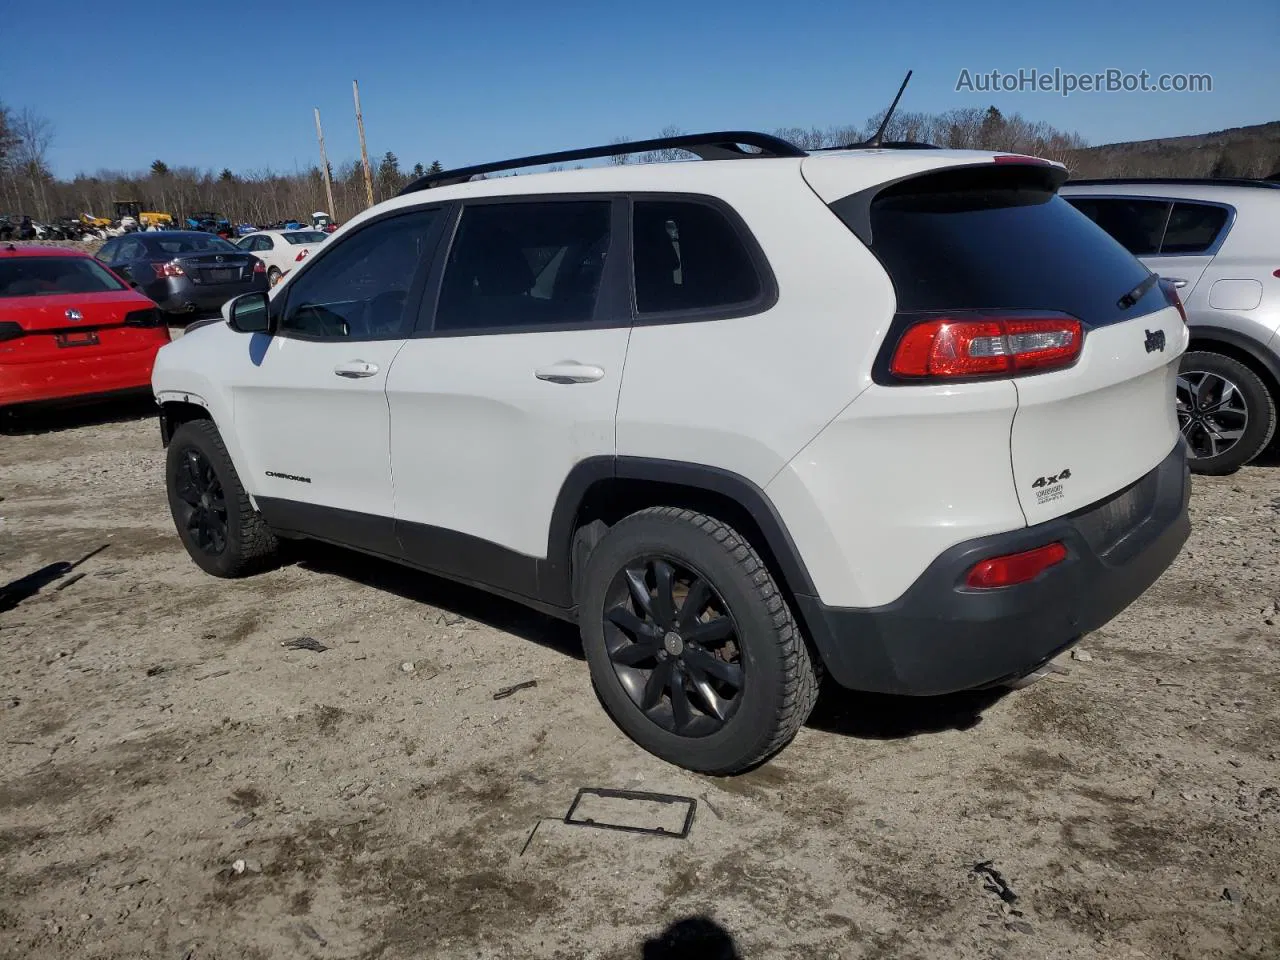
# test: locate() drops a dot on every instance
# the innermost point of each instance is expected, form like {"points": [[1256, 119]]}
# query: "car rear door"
{"points": [[1194, 233], [310, 404], [512, 379]]}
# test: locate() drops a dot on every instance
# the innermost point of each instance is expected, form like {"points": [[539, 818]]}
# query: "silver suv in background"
{"points": [[1218, 241]]}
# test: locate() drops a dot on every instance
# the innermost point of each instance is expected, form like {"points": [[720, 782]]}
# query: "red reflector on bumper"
{"points": [[1016, 567]]}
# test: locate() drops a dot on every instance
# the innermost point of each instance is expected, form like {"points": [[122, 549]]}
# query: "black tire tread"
{"points": [[259, 546], [1242, 372], [801, 670]]}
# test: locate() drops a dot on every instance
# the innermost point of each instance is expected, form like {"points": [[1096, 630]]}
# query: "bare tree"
{"points": [[34, 137]]}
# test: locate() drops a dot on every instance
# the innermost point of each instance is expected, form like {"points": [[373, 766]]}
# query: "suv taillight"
{"points": [[968, 346], [170, 269]]}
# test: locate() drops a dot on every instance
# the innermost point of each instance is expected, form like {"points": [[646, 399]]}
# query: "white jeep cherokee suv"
{"points": [[904, 415]]}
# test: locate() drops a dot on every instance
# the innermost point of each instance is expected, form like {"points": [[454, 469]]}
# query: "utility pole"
{"points": [[324, 166], [364, 151]]}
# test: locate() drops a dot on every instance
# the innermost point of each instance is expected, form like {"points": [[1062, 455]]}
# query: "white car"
{"points": [[282, 250], [902, 415]]}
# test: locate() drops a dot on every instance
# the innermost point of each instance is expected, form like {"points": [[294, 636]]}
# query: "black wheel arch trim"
{"points": [[1208, 334], [555, 579]]}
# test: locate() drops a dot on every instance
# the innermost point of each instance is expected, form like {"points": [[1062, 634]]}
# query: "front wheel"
{"points": [[691, 645], [1225, 412], [216, 522]]}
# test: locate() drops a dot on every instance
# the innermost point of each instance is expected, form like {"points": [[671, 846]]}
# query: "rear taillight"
{"points": [[259, 267], [149, 317], [10, 331], [1015, 567], [1173, 298], [964, 346], [302, 254], [170, 269]]}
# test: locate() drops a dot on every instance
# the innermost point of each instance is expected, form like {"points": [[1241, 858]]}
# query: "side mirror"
{"points": [[248, 313]]}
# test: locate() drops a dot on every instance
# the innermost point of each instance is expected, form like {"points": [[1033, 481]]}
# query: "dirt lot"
{"points": [[156, 732]]}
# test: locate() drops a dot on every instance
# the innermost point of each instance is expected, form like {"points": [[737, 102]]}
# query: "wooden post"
{"points": [[324, 167], [364, 151]]}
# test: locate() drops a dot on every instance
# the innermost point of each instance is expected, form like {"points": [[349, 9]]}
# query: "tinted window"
{"points": [[1000, 239], [689, 257], [44, 276], [357, 290], [176, 244], [525, 265], [131, 250], [305, 236], [1193, 228], [108, 251], [1137, 224]]}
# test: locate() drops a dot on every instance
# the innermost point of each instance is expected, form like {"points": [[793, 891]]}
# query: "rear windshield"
{"points": [[190, 243], [1000, 238], [306, 236], [45, 276]]}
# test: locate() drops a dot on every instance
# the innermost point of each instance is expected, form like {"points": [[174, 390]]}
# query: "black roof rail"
{"points": [[1191, 181], [706, 146]]}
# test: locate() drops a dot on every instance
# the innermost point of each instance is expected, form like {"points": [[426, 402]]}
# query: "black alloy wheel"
{"points": [[200, 492], [674, 646]]}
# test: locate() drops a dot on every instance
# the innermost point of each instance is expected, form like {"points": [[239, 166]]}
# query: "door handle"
{"points": [[569, 371], [356, 369], [1178, 282]]}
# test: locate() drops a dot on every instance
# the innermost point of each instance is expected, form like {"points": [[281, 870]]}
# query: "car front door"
{"points": [[310, 409], [511, 380]]}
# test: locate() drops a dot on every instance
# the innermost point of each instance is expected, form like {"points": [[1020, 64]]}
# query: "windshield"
{"points": [[306, 236], [44, 276], [192, 244]]}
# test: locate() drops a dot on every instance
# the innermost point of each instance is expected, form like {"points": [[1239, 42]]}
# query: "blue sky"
{"points": [[463, 82]]}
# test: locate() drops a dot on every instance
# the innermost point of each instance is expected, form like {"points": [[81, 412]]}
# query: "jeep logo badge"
{"points": [[73, 314], [1155, 341]]}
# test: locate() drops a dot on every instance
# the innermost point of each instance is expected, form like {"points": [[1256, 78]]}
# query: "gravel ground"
{"points": [[175, 783]]}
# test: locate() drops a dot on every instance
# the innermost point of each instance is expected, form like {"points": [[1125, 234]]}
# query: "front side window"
{"points": [[688, 257], [525, 265], [1138, 225], [357, 290], [1193, 228]]}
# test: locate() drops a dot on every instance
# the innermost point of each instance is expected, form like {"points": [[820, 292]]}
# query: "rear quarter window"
{"points": [[1193, 227], [1000, 239]]}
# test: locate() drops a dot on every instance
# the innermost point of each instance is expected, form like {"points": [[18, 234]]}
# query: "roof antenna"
{"points": [[876, 140]]}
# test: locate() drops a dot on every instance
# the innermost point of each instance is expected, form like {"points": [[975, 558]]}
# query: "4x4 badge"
{"points": [[1155, 341]]}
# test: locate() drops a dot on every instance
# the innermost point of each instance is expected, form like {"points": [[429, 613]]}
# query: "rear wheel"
{"points": [[691, 645], [216, 522], [274, 275], [1225, 412]]}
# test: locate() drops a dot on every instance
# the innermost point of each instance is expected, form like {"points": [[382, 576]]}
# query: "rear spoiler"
{"points": [[1003, 170]]}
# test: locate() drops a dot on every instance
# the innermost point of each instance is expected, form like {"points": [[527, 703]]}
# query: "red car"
{"points": [[71, 328]]}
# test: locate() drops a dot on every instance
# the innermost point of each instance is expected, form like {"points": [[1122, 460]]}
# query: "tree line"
{"points": [[27, 185]]}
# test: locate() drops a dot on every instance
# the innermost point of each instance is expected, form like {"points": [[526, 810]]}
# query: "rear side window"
{"points": [[525, 265], [998, 239], [47, 276], [1138, 225], [688, 257], [1193, 228]]}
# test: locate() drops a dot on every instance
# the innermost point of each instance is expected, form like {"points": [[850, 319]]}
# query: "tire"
{"points": [[1218, 395], [746, 681], [273, 276], [197, 464]]}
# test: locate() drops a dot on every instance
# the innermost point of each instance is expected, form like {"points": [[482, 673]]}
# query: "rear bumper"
{"points": [[77, 376], [940, 636], [181, 295]]}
